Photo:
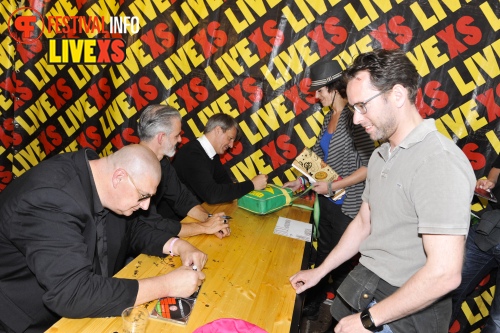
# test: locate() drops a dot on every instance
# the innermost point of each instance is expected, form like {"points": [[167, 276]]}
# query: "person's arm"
{"points": [[357, 176], [215, 225], [259, 182], [198, 212], [347, 247], [491, 181], [56, 250], [180, 282], [443, 220], [440, 275]]}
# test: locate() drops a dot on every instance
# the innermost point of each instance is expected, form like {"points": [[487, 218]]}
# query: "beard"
{"points": [[384, 129], [171, 152]]}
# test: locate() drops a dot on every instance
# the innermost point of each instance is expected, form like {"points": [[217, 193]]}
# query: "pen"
{"points": [[224, 217]]}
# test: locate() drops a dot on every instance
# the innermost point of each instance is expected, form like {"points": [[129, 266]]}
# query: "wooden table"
{"points": [[246, 277]]}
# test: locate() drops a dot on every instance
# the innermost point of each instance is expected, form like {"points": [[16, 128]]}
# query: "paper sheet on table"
{"points": [[293, 229]]}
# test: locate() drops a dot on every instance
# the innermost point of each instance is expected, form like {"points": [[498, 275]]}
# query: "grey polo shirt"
{"points": [[424, 186]]}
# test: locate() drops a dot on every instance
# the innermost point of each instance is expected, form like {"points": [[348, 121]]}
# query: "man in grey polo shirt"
{"points": [[411, 226]]}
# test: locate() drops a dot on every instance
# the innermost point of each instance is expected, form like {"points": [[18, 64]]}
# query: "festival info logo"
{"points": [[26, 25], [69, 46]]}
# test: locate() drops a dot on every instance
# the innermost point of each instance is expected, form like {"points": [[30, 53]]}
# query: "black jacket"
{"points": [[173, 199], [206, 177], [48, 257]]}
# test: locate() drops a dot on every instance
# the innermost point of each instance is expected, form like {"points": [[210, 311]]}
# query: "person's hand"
{"points": [[304, 280], [183, 281], [320, 187], [293, 185], [350, 324], [259, 182], [190, 255], [485, 184], [217, 225]]}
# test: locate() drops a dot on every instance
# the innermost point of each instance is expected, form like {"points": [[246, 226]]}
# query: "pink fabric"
{"points": [[229, 325]]}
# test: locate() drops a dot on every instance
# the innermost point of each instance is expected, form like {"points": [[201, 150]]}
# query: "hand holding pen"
{"points": [[218, 224]]}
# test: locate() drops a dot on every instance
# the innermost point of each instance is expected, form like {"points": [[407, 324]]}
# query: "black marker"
{"points": [[224, 217]]}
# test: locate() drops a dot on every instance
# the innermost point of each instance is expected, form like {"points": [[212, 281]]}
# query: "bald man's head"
{"points": [[137, 160], [127, 179]]}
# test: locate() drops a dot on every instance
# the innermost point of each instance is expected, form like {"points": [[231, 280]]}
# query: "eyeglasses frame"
{"points": [[363, 109], [142, 197]]}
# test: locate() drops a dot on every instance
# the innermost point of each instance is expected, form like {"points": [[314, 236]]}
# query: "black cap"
{"points": [[324, 73]]}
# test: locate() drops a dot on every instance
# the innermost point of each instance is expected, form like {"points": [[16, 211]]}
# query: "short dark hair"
{"points": [[340, 86], [156, 118], [225, 122], [387, 68]]}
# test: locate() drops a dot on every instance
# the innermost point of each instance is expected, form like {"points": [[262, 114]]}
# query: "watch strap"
{"points": [[367, 321]]}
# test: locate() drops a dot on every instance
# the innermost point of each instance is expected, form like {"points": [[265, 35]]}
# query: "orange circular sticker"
{"points": [[320, 175]]}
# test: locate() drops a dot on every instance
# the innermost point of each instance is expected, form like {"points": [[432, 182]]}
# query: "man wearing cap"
{"points": [[199, 167], [346, 148]]}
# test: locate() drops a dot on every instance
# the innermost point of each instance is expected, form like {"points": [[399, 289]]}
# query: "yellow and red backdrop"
{"points": [[78, 73]]}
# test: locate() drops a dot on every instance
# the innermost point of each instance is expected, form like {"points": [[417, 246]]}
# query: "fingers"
{"points": [[297, 282], [198, 259], [224, 232], [201, 277], [298, 285]]}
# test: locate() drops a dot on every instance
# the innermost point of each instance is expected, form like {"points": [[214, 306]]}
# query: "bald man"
{"points": [[58, 253]]}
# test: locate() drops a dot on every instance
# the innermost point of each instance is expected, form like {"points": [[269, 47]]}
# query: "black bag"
{"points": [[488, 230]]}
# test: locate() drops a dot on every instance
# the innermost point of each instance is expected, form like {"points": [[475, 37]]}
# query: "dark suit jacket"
{"points": [[48, 247], [173, 199], [207, 177]]}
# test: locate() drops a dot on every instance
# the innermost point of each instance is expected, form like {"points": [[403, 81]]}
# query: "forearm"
{"points": [[189, 229], [356, 177], [348, 245], [151, 288], [198, 212], [493, 175], [440, 275], [419, 292]]}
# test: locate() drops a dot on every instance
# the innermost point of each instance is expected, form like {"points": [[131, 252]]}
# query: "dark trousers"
{"points": [[362, 286], [477, 265], [331, 227]]}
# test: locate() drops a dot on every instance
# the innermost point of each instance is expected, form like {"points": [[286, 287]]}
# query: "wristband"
{"points": [[172, 245], [302, 183], [367, 321], [329, 186]]}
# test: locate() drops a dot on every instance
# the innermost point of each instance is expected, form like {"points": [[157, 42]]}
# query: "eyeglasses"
{"points": [[142, 197], [360, 107]]}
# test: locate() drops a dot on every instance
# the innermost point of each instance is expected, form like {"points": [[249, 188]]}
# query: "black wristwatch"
{"points": [[367, 321]]}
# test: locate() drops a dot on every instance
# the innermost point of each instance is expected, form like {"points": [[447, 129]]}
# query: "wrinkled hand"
{"points": [[350, 324], [217, 225], [259, 182], [183, 281], [190, 255], [304, 280], [293, 185]]}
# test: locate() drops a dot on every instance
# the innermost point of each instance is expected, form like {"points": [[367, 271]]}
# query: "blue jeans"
{"points": [[477, 265], [385, 327]]}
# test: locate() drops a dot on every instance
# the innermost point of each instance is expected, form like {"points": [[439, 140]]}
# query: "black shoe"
{"points": [[311, 310]]}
